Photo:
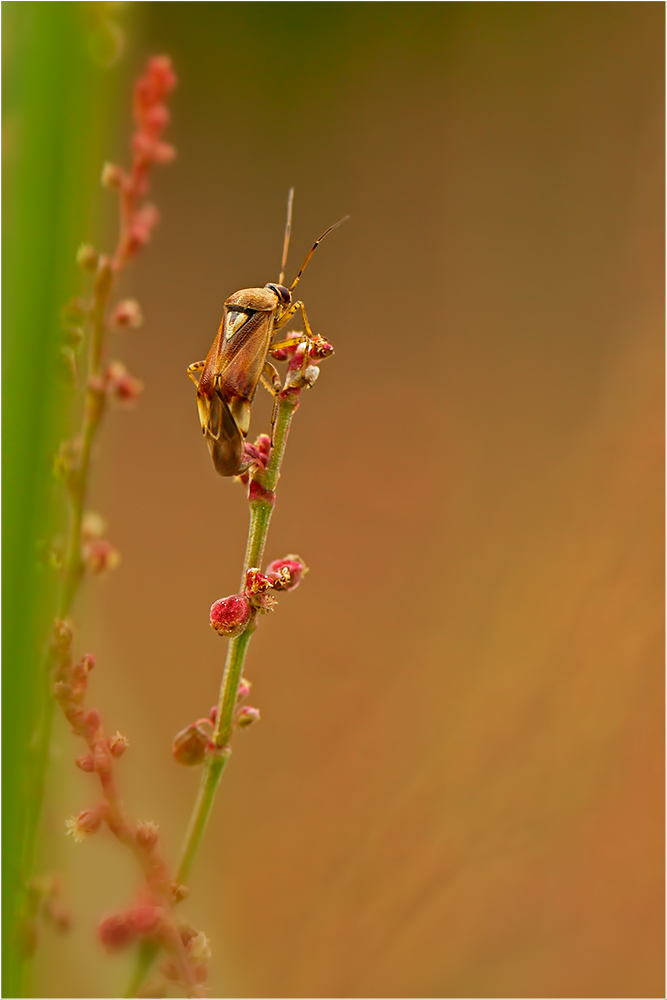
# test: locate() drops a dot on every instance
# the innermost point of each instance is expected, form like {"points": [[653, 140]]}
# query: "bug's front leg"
{"points": [[195, 370]]}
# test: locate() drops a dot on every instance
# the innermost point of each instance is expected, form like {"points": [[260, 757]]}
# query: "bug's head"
{"points": [[283, 294]]}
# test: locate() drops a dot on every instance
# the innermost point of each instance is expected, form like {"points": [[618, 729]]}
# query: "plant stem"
{"points": [[261, 509], [262, 498]]}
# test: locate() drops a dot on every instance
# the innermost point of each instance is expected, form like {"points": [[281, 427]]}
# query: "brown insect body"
{"points": [[232, 372], [227, 380]]}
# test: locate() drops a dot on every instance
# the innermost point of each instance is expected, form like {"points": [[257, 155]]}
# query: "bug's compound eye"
{"points": [[282, 293], [234, 320]]}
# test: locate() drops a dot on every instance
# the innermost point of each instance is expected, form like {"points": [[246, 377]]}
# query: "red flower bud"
{"points": [[86, 763], [230, 615], [295, 567], [191, 743], [117, 931], [256, 582], [127, 314]]}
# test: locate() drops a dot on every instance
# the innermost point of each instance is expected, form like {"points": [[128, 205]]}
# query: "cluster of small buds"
{"points": [[230, 616], [98, 554], [304, 355], [198, 950], [117, 383], [255, 456], [152, 117]]}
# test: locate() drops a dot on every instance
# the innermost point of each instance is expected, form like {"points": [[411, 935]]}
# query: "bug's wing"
{"points": [[241, 358], [223, 437]]}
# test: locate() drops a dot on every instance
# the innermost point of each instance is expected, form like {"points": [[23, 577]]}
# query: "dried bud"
{"points": [[61, 691], [117, 931], [112, 177], [72, 336], [99, 555], [103, 278], [66, 462], [295, 567], [127, 314], [179, 892], [85, 823], [230, 615], [86, 763], [147, 834], [66, 362], [118, 744], [199, 947], [93, 525], [62, 635], [87, 257], [190, 745], [246, 716]]}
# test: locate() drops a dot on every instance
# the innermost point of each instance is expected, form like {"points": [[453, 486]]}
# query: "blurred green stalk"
{"points": [[54, 131]]}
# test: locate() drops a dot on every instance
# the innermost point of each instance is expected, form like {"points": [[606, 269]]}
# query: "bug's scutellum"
{"points": [[238, 360]]}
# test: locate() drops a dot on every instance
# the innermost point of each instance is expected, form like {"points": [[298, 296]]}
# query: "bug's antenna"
{"points": [[288, 233], [314, 248]]}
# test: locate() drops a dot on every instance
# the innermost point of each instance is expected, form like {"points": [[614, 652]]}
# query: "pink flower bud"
{"points": [[163, 152], [99, 555], [156, 118], [117, 931], [128, 314], [112, 177], [85, 823], [161, 74], [246, 716], [146, 918], [117, 744], [85, 763], [190, 745], [120, 385], [243, 689], [230, 615], [147, 834], [296, 569], [86, 257]]}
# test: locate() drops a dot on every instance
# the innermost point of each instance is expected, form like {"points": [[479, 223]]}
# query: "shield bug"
{"points": [[238, 360]]}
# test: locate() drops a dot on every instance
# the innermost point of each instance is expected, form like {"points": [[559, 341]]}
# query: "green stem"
{"points": [[261, 509]]}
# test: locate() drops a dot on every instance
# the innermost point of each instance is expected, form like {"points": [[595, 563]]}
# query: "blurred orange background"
{"points": [[456, 788]]}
